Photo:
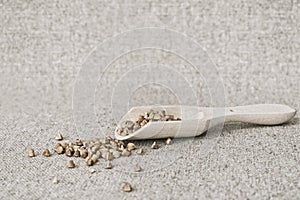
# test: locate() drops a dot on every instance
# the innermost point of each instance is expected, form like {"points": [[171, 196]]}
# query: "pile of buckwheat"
{"points": [[106, 148], [127, 127]]}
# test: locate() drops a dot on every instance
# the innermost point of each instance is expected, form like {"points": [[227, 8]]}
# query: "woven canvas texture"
{"points": [[255, 49]]}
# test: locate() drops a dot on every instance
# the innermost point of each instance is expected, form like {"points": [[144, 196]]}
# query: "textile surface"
{"points": [[44, 45]]}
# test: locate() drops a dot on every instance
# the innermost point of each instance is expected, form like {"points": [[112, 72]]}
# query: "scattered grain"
{"points": [[137, 168], [127, 187], [130, 146], [59, 149], [94, 158], [140, 151], [168, 141], [31, 153], [55, 180], [126, 153], [89, 162], [69, 151], [144, 122], [84, 153], [108, 165], [77, 153], [78, 142], [65, 145], [47, 153], [71, 164], [108, 156], [59, 136], [154, 145]]}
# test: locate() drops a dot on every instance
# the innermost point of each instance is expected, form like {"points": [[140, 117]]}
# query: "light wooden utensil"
{"points": [[196, 120]]}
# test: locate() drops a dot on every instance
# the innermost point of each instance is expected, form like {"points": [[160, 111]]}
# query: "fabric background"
{"points": [[254, 44]]}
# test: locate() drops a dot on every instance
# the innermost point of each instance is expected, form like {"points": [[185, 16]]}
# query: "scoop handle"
{"points": [[264, 114]]}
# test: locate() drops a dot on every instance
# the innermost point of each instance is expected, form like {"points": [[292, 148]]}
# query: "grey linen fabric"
{"points": [[255, 46]]}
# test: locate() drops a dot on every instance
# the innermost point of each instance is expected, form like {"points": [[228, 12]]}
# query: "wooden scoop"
{"points": [[195, 120]]}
